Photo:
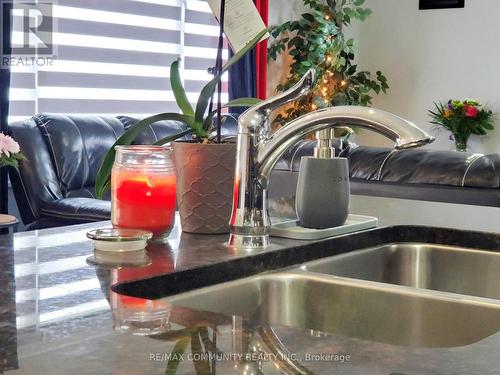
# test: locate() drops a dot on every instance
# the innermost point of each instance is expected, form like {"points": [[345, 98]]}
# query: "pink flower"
{"points": [[471, 111], [8, 145]]}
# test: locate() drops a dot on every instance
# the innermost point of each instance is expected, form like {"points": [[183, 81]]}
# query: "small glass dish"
{"points": [[119, 248], [119, 239], [119, 260], [148, 318]]}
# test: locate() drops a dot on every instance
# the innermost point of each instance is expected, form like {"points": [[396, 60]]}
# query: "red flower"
{"points": [[471, 111]]}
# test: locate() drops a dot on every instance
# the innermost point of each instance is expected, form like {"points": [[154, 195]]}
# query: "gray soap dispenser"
{"points": [[323, 193]]}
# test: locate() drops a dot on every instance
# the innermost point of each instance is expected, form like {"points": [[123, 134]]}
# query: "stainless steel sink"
{"points": [[436, 267], [370, 311]]}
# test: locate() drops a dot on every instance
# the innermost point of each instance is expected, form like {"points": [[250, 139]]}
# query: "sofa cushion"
{"points": [[78, 210], [36, 180], [422, 166], [77, 145], [367, 163], [428, 192], [495, 158], [414, 166], [282, 186]]}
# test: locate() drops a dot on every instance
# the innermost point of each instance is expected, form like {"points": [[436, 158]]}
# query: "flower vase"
{"points": [[461, 142]]}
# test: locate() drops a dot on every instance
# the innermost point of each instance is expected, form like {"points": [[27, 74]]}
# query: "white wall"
{"points": [[433, 55], [281, 11], [284, 10]]}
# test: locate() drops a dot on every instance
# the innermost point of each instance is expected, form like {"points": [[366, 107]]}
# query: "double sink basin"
{"points": [[409, 294]]}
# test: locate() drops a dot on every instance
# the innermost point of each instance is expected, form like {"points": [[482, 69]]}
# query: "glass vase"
{"points": [[461, 142], [143, 189]]}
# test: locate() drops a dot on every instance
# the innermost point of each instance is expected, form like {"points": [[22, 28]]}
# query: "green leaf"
{"points": [[208, 90], [12, 160], [350, 12], [201, 364], [367, 13], [172, 138], [209, 345], [102, 180], [176, 355], [309, 17], [178, 89], [240, 102], [173, 335], [243, 102], [488, 126]]}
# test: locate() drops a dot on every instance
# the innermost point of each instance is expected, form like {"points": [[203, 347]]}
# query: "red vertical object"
{"points": [[261, 53]]}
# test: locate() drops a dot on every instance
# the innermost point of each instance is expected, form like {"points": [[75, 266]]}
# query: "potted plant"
{"points": [[462, 118], [317, 41], [205, 166]]}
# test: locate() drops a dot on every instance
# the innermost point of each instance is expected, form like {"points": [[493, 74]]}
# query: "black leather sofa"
{"points": [[55, 185], [417, 174]]}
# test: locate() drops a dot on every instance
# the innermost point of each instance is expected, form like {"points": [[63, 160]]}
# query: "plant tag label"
{"points": [[242, 21]]}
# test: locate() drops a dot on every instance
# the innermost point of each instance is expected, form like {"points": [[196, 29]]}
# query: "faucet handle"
{"points": [[301, 88], [258, 115]]}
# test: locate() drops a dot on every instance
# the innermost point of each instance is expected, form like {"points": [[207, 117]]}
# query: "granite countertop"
{"points": [[60, 315]]}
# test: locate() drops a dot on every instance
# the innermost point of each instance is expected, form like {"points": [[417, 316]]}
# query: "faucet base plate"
{"points": [[249, 242]]}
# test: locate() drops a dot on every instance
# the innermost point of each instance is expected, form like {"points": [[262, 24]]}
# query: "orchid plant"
{"points": [[198, 120], [10, 152], [462, 118]]}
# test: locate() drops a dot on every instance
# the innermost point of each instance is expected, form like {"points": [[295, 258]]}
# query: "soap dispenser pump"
{"points": [[323, 192]]}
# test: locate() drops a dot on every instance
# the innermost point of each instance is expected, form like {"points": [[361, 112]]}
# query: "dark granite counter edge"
{"points": [[252, 264]]}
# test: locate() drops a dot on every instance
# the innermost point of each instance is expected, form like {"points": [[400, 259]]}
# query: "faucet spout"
{"points": [[258, 150], [402, 132]]}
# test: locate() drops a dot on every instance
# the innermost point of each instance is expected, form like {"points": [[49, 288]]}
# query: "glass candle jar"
{"points": [[143, 189]]}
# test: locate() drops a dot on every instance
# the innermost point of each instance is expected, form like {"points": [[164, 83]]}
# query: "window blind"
{"points": [[113, 57]]}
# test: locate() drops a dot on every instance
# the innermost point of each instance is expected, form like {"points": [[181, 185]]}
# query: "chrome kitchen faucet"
{"points": [[259, 149]]}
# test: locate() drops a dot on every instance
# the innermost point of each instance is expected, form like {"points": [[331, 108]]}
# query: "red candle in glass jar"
{"points": [[143, 189]]}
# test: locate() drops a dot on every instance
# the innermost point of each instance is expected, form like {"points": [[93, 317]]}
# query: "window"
{"points": [[113, 57]]}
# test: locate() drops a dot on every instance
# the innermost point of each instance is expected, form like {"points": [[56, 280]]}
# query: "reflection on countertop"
{"points": [[58, 315]]}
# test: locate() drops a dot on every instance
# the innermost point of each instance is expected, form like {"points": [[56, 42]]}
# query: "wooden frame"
{"points": [[441, 4]]}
